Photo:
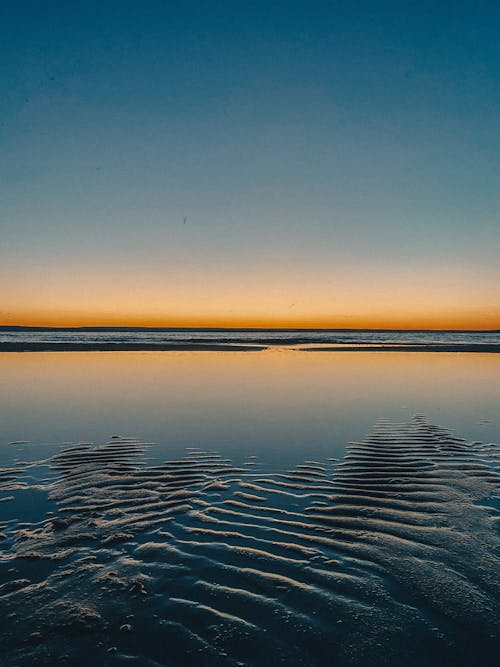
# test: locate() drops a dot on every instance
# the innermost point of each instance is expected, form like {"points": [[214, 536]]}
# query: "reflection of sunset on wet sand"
{"points": [[250, 500], [277, 401]]}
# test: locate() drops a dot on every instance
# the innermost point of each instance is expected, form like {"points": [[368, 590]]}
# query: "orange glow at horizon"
{"points": [[266, 297], [458, 323], [367, 318]]}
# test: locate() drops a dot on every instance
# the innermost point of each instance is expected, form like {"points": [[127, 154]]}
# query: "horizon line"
{"points": [[6, 327]]}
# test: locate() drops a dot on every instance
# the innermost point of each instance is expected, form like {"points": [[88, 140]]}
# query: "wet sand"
{"points": [[460, 347], [380, 558], [127, 347]]}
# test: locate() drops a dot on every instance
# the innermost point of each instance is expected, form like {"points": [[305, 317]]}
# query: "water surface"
{"points": [[230, 508], [281, 405]]}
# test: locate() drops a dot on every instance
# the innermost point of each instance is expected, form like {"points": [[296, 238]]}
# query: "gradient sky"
{"points": [[337, 163]]}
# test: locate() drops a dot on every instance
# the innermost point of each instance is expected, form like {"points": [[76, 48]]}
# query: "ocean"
{"points": [[293, 337]]}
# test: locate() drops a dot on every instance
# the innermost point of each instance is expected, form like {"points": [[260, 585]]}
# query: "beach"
{"points": [[309, 509]]}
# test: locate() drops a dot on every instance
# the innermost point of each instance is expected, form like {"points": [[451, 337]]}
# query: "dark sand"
{"points": [[127, 347], [459, 347], [383, 558]]}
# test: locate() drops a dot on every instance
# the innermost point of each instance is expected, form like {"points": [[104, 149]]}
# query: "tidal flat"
{"points": [[215, 508]]}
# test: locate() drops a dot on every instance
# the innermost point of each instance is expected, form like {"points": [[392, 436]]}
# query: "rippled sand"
{"points": [[388, 557]]}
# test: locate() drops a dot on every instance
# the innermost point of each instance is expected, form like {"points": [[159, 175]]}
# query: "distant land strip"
{"points": [[126, 347]]}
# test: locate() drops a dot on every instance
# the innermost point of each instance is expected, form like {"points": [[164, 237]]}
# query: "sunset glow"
{"points": [[324, 168], [335, 299]]}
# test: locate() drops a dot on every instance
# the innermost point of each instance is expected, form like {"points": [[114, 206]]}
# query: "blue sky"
{"points": [[301, 140]]}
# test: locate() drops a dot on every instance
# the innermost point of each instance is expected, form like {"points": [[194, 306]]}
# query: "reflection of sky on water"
{"points": [[283, 406]]}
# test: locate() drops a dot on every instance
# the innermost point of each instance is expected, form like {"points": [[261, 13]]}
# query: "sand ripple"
{"points": [[389, 556]]}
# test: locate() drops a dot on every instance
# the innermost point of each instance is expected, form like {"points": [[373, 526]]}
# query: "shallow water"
{"points": [[235, 508], [282, 405]]}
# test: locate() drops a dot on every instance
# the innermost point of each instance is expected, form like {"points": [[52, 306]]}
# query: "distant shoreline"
{"points": [[128, 347]]}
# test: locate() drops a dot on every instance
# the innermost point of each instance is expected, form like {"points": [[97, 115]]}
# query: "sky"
{"points": [[248, 163]]}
